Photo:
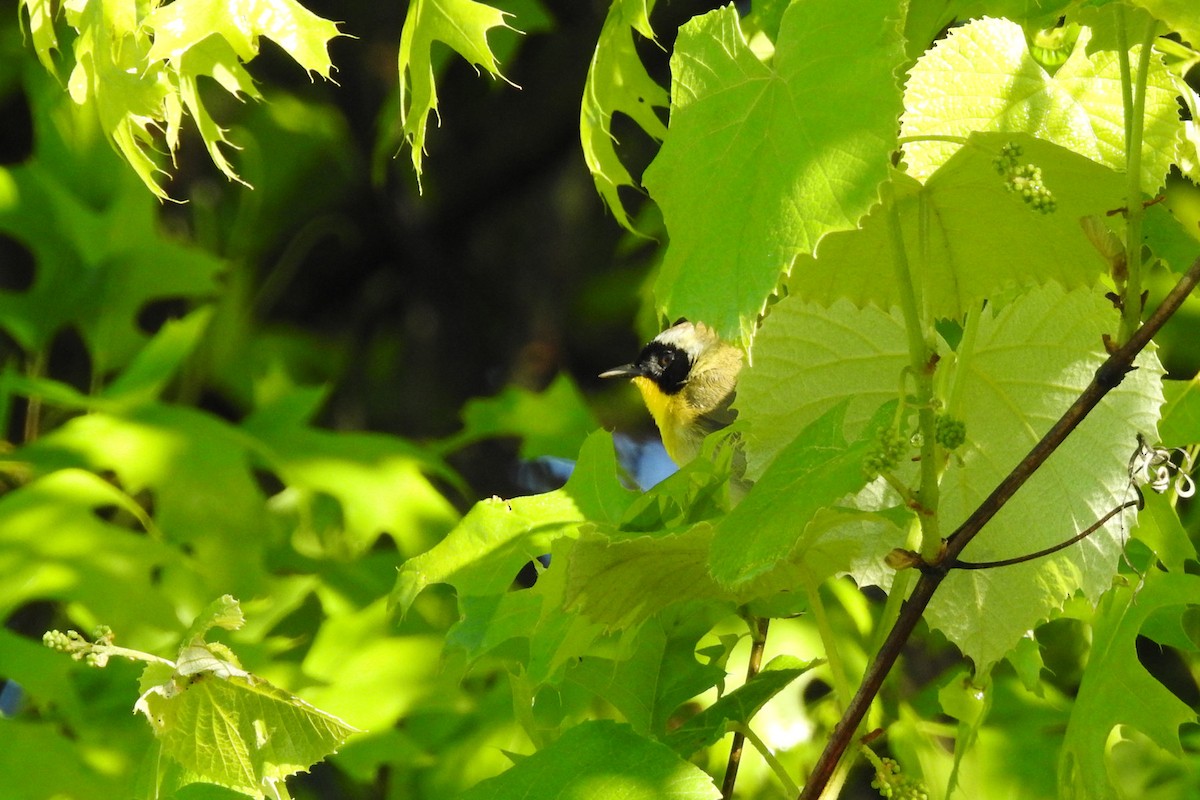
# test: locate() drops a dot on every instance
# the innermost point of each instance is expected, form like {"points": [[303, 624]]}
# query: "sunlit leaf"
{"points": [[966, 235], [53, 545], [617, 82], [483, 554], [237, 730], [761, 160], [1030, 361], [981, 77], [463, 25]]}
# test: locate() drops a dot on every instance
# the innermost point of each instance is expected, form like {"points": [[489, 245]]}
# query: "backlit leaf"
{"points": [[762, 159]]}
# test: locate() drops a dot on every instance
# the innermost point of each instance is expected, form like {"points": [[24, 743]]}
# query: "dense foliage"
{"points": [[932, 227]]}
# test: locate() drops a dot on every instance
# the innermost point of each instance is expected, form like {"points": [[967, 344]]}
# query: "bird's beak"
{"points": [[623, 371]]}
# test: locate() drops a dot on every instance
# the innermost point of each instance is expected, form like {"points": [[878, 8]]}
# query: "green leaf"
{"points": [[1180, 425], [814, 471], [215, 58], [86, 274], [186, 458], [224, 612], [809, 359], [50, 763], [710, 725], [761, 160], [1030, 361], [41, 30], [1160, 528], [212, 38], [982, 78], [236, 729], [621, 582], [461, 24], [54, 546], [155, 364], [362, 668], [1179, 16], [580, 765], [966, 235], [381, 484], [185, 24], [1117, 690], [655, 670], [617, 81], [554, 422], [483, 554], [114, 75]]}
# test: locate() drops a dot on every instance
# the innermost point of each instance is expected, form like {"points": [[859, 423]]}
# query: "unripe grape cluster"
{"points": [[950, 432], [889, 449], [893, 785], [1024, 179], [80, 649]]}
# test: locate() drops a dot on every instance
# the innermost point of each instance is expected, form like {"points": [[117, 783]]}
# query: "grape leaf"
{"points": [[617, 81], [982, 78], [461, 24], [966, 235], [740, 705], [621, 582], [807, 360], [1030, 361], [815, 470], [234, 728], [224, 612], [761, 160], [1117, 690], [580, 763], [1179, 16]]}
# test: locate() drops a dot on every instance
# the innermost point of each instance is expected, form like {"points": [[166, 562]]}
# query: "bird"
{"points": [[687, 378]]}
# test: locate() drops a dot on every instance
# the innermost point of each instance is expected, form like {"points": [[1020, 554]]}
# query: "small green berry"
{"points": [[950, 432]]}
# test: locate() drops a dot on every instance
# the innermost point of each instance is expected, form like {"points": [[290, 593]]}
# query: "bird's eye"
{"points": [[665, 359]]}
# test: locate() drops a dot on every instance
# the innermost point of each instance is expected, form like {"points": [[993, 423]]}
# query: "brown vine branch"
{"points": [[1108, 376], [758, 643]]}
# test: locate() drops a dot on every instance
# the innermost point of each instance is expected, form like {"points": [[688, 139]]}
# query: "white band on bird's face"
{"points": [[690, 338]]}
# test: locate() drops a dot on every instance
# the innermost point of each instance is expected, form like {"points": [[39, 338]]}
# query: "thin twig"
{"points": [[1079, 537], [1108, 376], [758, 643]]}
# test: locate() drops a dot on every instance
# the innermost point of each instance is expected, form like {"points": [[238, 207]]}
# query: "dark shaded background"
{"points": [[507, 268]]}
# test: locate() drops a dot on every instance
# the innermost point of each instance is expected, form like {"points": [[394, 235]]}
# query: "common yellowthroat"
{"points": [[687, 377]]}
